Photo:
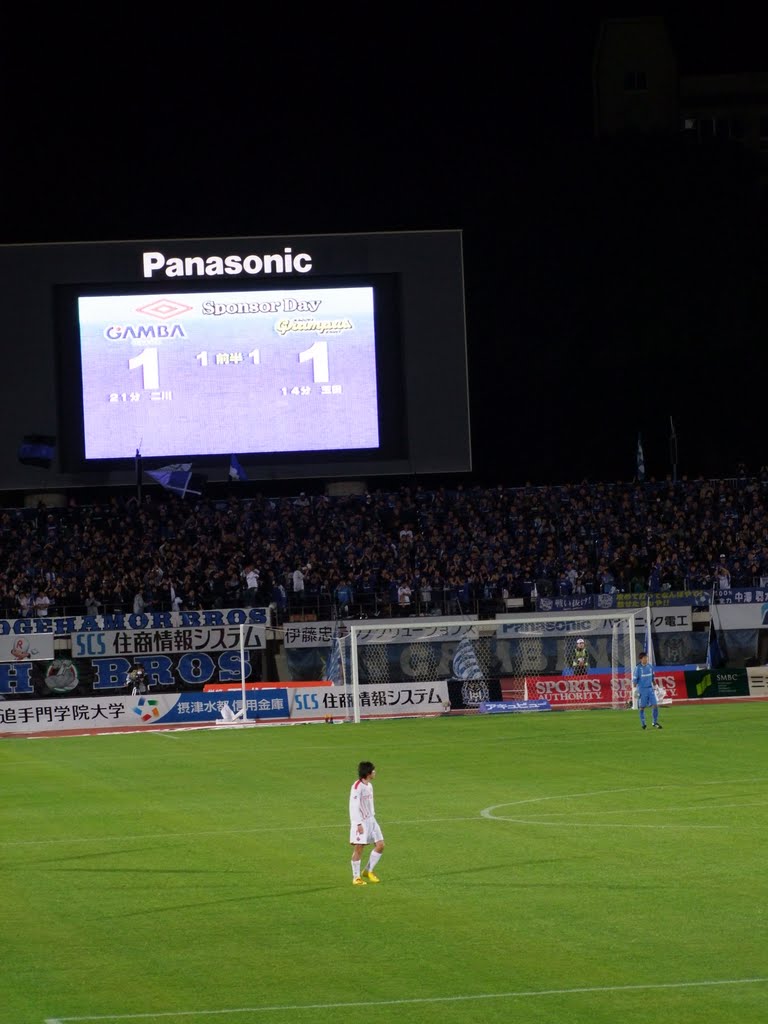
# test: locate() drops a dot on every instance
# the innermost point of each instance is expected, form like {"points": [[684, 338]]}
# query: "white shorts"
{"points": [[371, 833]]}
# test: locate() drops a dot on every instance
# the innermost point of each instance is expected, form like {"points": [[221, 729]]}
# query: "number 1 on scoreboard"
{"points": [[148, 361]]}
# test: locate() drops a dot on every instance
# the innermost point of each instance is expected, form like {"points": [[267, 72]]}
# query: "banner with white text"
{"points": [[593, 689], [69, 624], [170, 672]]}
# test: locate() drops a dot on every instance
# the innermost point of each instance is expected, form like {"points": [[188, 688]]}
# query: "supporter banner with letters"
{"points": [[604, 602], [742, 596], [187, 671], [17, 649], [661, 599], [577, 603], [177, 671], [66, 625]]}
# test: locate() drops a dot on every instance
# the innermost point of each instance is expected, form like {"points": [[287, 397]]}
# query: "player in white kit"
{"points": [[364, 830]]}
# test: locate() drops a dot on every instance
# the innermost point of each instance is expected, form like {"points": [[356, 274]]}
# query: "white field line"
{"points": [[296, 1007], [563, 821]]}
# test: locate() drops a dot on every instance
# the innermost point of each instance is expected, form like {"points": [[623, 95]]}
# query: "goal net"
{"points": [[428, 667], [585, 661]]}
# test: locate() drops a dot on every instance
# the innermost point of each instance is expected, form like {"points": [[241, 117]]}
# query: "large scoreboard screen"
{"points": [[314, 356], [215, 372]]}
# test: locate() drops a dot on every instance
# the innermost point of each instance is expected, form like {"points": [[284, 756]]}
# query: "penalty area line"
{"points": [[523, 994]]}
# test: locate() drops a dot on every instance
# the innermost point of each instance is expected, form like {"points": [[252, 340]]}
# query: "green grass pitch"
{"points": [[562, 868]]}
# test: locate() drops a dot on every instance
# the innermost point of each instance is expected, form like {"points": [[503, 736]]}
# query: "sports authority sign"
{"points": [[595, 689]]}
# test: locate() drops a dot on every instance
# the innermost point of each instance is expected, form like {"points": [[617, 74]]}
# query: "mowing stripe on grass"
{"points": [[486, 812], [410, 1002], [339, 826]]}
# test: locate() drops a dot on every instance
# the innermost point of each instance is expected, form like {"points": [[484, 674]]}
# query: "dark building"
{"points": [[653, 77]]}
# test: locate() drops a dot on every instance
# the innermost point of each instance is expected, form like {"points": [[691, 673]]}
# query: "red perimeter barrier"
{"points": [[592, 688]]}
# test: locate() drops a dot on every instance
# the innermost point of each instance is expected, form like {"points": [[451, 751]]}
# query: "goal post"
{"points": [[571, 661], [398, 655]]}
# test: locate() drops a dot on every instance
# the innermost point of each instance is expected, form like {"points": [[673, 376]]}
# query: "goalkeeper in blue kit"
{"points": [[642, 680]]}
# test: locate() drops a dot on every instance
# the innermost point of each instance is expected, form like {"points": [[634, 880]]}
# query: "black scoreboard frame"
{"points": [[421, 352]]}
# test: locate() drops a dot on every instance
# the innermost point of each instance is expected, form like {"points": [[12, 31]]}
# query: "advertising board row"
{"points": [[600, 689], [321, 701], [270, 705]]}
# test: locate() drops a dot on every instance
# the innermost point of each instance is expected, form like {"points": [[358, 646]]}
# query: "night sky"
{"points": [[609, 290]]}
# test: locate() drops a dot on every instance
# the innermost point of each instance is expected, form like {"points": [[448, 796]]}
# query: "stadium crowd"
{"points": [[410, 550]]}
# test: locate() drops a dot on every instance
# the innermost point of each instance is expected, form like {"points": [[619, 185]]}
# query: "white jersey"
{"points": [[362, 812], [361, 802]]}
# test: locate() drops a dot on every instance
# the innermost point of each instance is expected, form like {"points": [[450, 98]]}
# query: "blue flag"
{"points": [[648, 648], [334, 669], [37, 450], [714, 654], [178, 478], [236, 471], [465, 661], [640, 459]]}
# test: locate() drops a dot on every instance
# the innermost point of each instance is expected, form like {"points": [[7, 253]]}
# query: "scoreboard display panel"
{"points": [[314, 356], [265, 372]]}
